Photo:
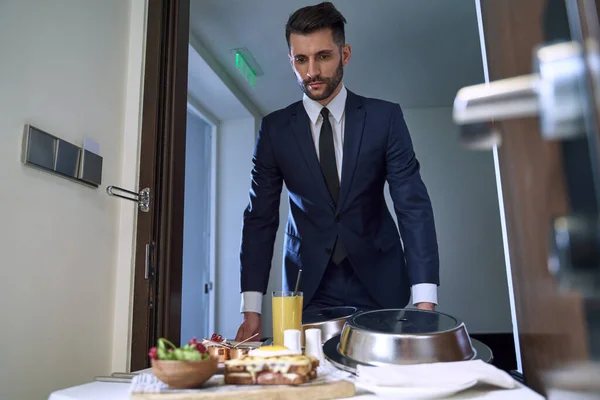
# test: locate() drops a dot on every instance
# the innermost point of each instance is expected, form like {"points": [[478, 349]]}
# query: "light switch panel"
{"points": [[48, 152], [40, 148]]}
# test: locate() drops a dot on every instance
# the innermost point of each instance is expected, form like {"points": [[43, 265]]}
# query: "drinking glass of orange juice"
{"points": [[287, 313]]}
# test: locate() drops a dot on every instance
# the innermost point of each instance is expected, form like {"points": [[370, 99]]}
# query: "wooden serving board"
{"points": [[321, 391]]}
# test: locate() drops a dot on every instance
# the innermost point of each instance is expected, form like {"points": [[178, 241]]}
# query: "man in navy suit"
{"points": [[335, 150]]}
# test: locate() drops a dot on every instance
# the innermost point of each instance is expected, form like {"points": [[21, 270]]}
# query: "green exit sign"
{"points": [[242, 65]]}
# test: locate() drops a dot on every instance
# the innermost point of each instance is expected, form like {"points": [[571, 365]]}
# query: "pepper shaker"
{"points": [[313, 345], [291, 340]]}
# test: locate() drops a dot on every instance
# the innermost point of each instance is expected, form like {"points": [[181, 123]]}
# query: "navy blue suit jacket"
{"points": [[377, 148]]}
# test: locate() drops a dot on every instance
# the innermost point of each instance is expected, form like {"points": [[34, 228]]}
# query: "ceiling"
{"points": [[414, 52], [202, 79]]}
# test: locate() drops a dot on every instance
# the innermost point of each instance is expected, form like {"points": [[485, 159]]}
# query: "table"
{"points": [[120, 391]]}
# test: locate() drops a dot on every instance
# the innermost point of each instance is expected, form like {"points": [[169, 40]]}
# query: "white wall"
{"points": [[123, 304], [64, 69], [195, 302], [276, 277], [462, 186], [235, 145]]}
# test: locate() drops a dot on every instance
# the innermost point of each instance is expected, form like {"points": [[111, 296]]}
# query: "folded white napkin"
{"points": [[435, 379]]}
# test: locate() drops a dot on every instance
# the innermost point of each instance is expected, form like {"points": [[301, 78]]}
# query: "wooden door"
{"points": [[548, 180], [159, 236]]}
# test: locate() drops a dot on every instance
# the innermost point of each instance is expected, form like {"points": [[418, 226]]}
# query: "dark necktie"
{"points": [[327, 156], [330, 173]]}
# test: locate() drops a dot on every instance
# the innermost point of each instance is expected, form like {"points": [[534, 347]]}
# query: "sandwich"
{"points": [[271, 365]]}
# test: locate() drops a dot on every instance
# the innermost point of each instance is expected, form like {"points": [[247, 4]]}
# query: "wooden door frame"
{"points": [[551, 323], [158, 272]]}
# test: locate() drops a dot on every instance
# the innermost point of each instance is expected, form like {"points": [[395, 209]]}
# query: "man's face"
{"points": [[318, 63]]}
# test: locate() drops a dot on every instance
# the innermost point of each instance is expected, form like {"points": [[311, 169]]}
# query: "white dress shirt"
{"points": [[422, 292]]}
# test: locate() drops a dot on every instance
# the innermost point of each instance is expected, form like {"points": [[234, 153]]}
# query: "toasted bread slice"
{"points": [[239, 378], [265, 378], [276, 370], [270, 378], [298, 364], [315, 362]]}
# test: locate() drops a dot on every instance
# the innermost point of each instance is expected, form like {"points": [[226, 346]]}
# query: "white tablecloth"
{"points": [[120, 391]]}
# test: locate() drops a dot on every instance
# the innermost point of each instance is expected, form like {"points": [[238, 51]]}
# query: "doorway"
{"points": [[458, 201]]}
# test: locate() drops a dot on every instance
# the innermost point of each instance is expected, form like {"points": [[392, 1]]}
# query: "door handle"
{"points": [[142, 198], [554, 92], [503, 99]]}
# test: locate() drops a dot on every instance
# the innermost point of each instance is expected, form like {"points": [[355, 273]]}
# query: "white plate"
{"points": [[233, 343], [246, 344], [415, 393]]}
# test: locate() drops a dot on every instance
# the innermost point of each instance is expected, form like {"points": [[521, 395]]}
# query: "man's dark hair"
{"points": [[313, 18]]}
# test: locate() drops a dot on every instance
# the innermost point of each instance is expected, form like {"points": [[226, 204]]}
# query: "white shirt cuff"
{"points": [[251, 302], [424, 293]]}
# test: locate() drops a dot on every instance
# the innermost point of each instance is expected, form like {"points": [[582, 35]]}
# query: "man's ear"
{"points": [[346, 54]]}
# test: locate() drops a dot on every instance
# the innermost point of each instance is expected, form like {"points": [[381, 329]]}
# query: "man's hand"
{"points": [[426, 306], [251, 325]]}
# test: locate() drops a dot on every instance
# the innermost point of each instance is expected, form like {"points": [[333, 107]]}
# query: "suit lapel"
{"points": [[302, 133], [353, 133]]}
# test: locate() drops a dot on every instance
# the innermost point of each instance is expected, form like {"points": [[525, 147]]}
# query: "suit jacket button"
{"points": [[328, 251], [337, 218]]}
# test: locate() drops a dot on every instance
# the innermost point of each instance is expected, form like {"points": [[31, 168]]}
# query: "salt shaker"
{"points": [[291, 340], [313, 345]]}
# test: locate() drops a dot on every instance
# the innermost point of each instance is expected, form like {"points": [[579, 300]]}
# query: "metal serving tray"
{"points": [[402, 336]]}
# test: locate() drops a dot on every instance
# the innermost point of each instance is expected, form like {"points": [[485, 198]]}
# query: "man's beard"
{"points": [[330, 84]]}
